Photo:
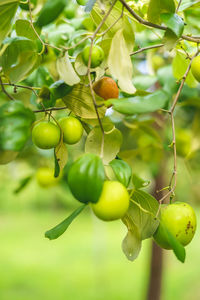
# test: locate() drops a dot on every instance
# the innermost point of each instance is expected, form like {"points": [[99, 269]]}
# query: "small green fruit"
{"points": [[195, 67], [113, 202], [179, 218], [96, 58], [45, 177], [46, 135], [72, 130]]}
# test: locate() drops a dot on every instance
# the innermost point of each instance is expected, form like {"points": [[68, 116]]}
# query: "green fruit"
{"points": [[72, 130], [157, 62], [183, 142], [113, 202], [46, 135], [86, 177], [96, 58], [45, 177], [70, 11], [82, 2], [179, 218], [195, 67]]}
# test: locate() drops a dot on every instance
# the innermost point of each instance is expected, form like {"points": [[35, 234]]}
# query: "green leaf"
{"points": [[50, 11], [138, 182], [24, 28], [66, 71], [132, 243], [15, 125], [180, 64], [111, 147], [8, 9], [156, 7], [58, 230], [86, 177], [188, 3], [59, 89], [177, 248], [140, 104], [80, 102], [142, 211], [122, 171], [19, 59], [23, 183], [143, 82], [173, 22], [120, 64]]}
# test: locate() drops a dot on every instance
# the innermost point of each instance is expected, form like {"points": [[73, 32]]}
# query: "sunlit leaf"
{"points": [[66, 71]]}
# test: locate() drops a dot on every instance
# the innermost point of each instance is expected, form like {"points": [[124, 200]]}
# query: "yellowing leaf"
{"points": [[80, 102], [112, 143], [119, 63], [61, 155], [66, 70]]}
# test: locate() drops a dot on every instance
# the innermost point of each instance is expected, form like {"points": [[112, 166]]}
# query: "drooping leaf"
{"points": [[23, 183], [173, 22], [138, 182], [58, 230], [179, 65], [188, 4], [119, 63], [15, 125], [80, 102], [142, 212], [122, 171], [61, 156], [132, 243], [140, 104], [86, 177], [7, 156], [112, 143], [177, 248], [66, 71], [8, 9], [156, 7]]}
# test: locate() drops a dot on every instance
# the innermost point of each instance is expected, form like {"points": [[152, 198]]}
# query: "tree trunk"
{"points": [[156, 266]]}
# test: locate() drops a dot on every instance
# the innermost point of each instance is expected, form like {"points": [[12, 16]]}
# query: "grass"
{"points": [[85, 263]]}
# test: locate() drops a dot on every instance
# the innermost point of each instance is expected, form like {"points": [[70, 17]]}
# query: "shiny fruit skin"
{"points": [[113, 202], [72, 130], [45, 177], [106, 88], [96, 58], [195, 67], [82, 2], [180, 220], [46, 135]]}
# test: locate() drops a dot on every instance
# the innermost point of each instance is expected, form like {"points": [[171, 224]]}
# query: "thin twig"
{"points": [[50, 109], [4, 91], [178, 6], [150, 24], [23, 87], [146, 48]]}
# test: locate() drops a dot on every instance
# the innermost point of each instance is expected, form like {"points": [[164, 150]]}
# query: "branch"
{"points": [[178, 6], [146, 48], [4, 91], [149, 24], [22, 86], [50, 109]]}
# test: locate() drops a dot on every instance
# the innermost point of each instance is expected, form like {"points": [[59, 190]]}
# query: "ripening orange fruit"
{"points": [[106, 88]]}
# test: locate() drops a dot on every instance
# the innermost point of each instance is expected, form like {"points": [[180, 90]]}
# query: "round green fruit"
{"points": [[113, 202], [45, 177], [72, 130], [195, 67], [157, 62], [96, 58], [46, 135], [82, 2], [179, 218]]}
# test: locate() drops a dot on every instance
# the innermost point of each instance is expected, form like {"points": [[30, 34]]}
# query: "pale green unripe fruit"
{"points": [[45, 177], [195, 67], [96, 58], [46, 135], [113, 202], [180, 220], [72, 130]]}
